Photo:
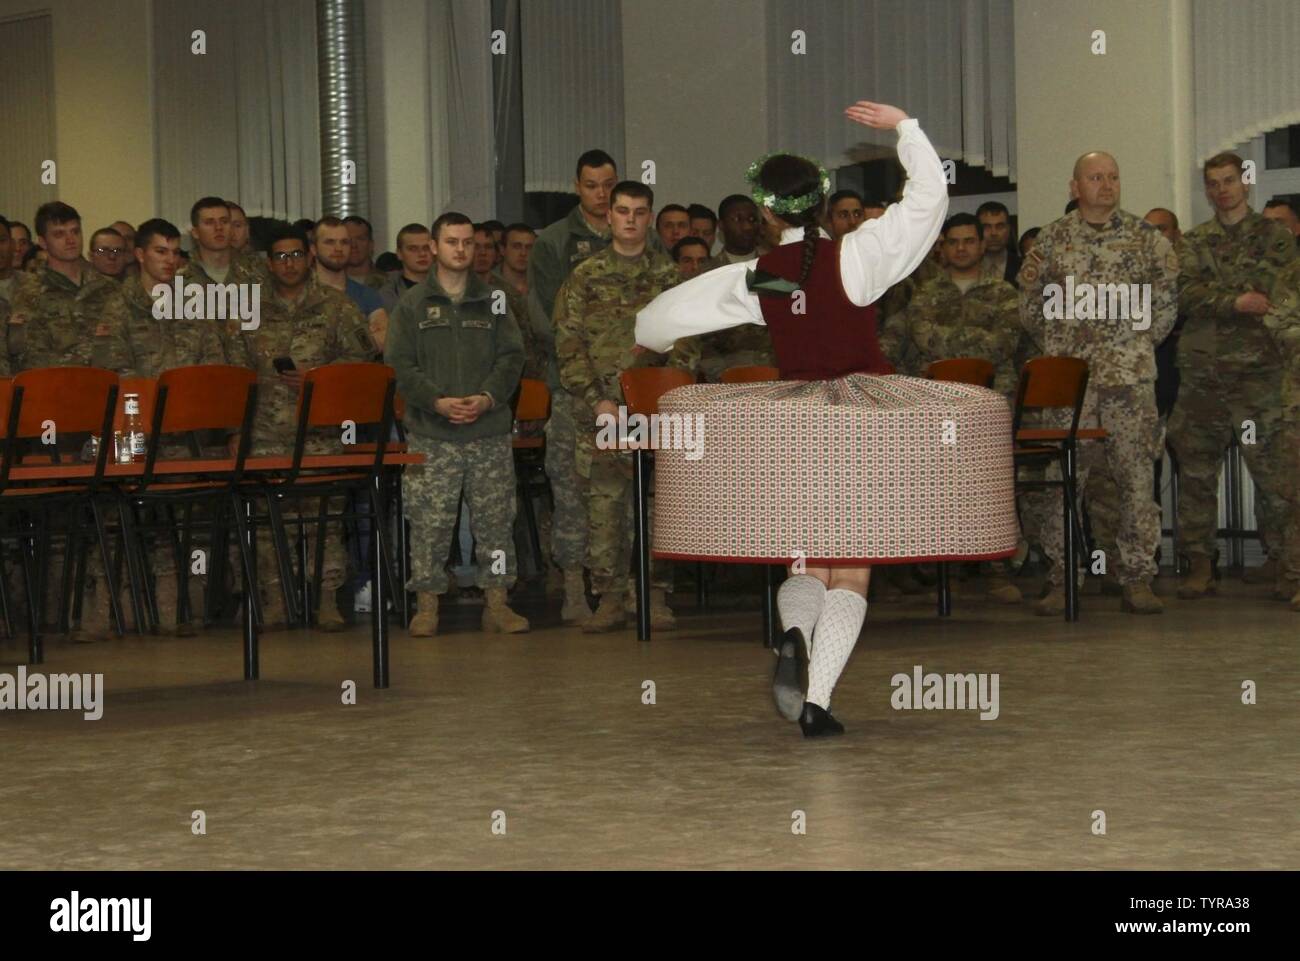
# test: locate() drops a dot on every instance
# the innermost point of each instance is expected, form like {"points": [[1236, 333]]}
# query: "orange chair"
{"points": [[750, 375], [532, 404], [962, 370], [64, 401], [183, 402], [362, 393], [1055, 383], [642, 388]]}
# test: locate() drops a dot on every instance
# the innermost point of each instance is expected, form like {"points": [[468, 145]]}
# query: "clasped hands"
{"points": [[462, 410]]}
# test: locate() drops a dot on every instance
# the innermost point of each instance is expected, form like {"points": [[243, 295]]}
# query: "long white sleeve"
{"points": [[711, 301], [873, 258], [883, 251]]}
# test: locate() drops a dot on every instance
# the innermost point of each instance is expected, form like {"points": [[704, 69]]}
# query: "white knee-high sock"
{"points": [[833, 639], [799, 600]]}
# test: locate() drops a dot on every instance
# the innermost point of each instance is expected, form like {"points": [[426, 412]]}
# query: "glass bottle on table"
{"points": [[132, 431]]}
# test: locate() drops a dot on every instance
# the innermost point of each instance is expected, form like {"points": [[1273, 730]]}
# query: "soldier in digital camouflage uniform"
{"points": [[458, 356], [558, 250], [1283, 324], [595, 322], [1231, 373], [313, 325], [66, 314], [156, 344], [963, 312], [1096, 246]]}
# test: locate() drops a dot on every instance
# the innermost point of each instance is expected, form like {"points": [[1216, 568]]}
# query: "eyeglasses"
{"points": [[110, 251], [284, 256]]}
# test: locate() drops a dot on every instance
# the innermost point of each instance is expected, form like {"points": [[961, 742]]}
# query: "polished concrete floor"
{"points": [[1138, 717]]}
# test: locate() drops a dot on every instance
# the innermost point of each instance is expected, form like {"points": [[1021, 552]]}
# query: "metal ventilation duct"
{"points": [[341, 68]]}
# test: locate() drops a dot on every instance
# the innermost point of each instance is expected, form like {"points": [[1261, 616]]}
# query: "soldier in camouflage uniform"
{"points": [[1231, 372], [159, 344], [963, 312], [66, 314], [313, 325], [361, 266], [458, 354], [558, 250], [212, 260], [595, 323], [1084, 253], [1283, 324]]}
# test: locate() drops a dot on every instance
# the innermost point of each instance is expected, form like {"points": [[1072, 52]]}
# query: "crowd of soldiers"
{"points": [[467, 309]]}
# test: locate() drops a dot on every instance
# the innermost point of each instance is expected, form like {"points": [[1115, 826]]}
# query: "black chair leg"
{"points": [[35, 647], [771, 620], [252, 609], [378, 589], [1070, 559], [403, 553], [280, 539], [642, 519], [242, 517], [110, 582], [942, 568], [318, 567]]}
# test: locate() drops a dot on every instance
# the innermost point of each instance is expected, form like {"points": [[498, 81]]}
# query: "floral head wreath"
{"points": [[786, 205]]}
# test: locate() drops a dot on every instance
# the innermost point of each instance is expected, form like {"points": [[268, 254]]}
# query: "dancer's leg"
{"points": [[799, 601], [834, 637]]}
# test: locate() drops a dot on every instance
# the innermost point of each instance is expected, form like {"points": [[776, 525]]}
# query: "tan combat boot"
{"points": [[661, 615], [328, 618], [498, 618], [425, 622], [1199, 580], [1266, 573], [575, 609], [1053, 603], [166, 595], [95, 618], [274, 616], [1138, 598], [1003, 591], [1283, 586], [609, 614]]}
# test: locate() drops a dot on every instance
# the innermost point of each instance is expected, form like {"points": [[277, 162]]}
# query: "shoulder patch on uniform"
{"points": [[432, 313]]}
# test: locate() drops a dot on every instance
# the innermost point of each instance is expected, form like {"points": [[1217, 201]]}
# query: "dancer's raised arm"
{"points": [[884, 251]]}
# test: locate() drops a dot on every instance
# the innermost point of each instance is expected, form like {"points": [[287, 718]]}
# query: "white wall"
{"points": [[1134, 101], [103, 109], [694, 93]]}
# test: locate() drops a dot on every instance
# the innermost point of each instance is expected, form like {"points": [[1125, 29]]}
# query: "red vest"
{"points": [[834, 337]]}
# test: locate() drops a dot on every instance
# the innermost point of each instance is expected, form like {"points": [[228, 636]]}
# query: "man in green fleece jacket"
{"points": [[458, 355]]}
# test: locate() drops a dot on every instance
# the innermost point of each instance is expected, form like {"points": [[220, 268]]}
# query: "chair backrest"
{"points": [[962, 370], [6, 397], [1051, 382], [534, 402], [146, 388], [205, 397], [359, 392], [643, 386], [750, 375], [76, 399]]}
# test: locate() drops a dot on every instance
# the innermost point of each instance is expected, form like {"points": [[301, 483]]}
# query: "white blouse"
{"points": [[874, 257]]}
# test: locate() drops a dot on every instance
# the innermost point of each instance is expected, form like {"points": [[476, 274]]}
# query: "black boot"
{"points": [[817, 722], [786, 686]]}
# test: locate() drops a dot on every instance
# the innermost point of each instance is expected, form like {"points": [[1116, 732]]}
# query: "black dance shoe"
{"points": [[817, 722], [786, 687]]}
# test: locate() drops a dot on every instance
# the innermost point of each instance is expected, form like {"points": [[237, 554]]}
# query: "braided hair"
{"points": [[789, 176]]}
